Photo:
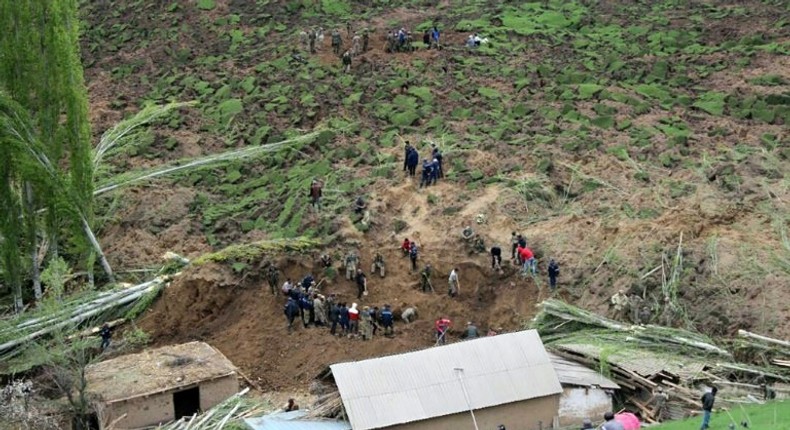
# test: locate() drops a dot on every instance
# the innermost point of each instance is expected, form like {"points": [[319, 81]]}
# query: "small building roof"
{"points": [[576, 374], [156, 370], [294, 420], [425, 384]]}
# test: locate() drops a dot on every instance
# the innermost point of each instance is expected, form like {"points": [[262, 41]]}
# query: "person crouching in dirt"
{"points": [[478, 245], [346, 60], [387, 320], [291, 406], [362, 284], [273, 277], [326, 261], [496, 257], [425, 179], [405, 247], [471, 332], [409, 315], [291, 310], [378, 264]]}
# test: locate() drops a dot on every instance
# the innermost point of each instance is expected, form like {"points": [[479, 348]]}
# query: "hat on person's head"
{"points": [[587, 424]]}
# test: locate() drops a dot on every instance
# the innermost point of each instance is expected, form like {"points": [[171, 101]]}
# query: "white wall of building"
{"points": [[578, 403]]}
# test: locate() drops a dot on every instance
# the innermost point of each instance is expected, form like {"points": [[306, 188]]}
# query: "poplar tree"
{"points": [[45, 136]]}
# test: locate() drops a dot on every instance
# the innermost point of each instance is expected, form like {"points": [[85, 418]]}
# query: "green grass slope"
{"points": [[770, 416], [605, 130]]}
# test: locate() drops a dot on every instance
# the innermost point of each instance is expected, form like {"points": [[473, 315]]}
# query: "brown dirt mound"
{"points": [[240, 317]]}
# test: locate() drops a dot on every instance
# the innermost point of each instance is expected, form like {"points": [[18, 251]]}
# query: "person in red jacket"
{"points": [[442, 325], [405, 246], [528, 258]]}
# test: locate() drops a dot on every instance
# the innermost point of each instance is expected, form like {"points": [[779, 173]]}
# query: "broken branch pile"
{"points": [[327, 406], [69, 314], [644, 359], [234, 409]]}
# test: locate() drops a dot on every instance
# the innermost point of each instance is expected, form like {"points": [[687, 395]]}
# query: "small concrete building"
{"points": [[160, 385], [585, 392], [506, 379]]}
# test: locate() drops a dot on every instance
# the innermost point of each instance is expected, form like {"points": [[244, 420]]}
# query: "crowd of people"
{"points": [[397, 40], [305, 302]]}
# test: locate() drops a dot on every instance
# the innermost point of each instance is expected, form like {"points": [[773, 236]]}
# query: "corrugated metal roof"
{"points": [[294, 420], [419, 385], [573, 373]]}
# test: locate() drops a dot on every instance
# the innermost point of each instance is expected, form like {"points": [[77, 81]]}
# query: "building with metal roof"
{"points": [[506, 379], [294, 420], [585, 392]]}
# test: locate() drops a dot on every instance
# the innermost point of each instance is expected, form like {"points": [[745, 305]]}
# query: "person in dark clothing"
{"points": [[436, 154], [374, 318], [425, 179], [387, 320], [434, 171], [106, 336], [406, 151], [426, 38], [343, 318], [362, 284], [513, 245], [554, 271], [307, 282], [412, 160], [304, 305], [291, 406], [470, 332], [291, 311], [496, 257], [425, 278], [360, 205], [334, 317], [413, 256], [707, 407], [522, 241], [316, 191]]}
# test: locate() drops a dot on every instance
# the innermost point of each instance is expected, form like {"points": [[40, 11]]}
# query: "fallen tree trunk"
{"points": [[766, 339], [80, 313]]}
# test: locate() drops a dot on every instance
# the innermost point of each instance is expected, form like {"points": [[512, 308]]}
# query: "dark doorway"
{"points": [[186, 403]]}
